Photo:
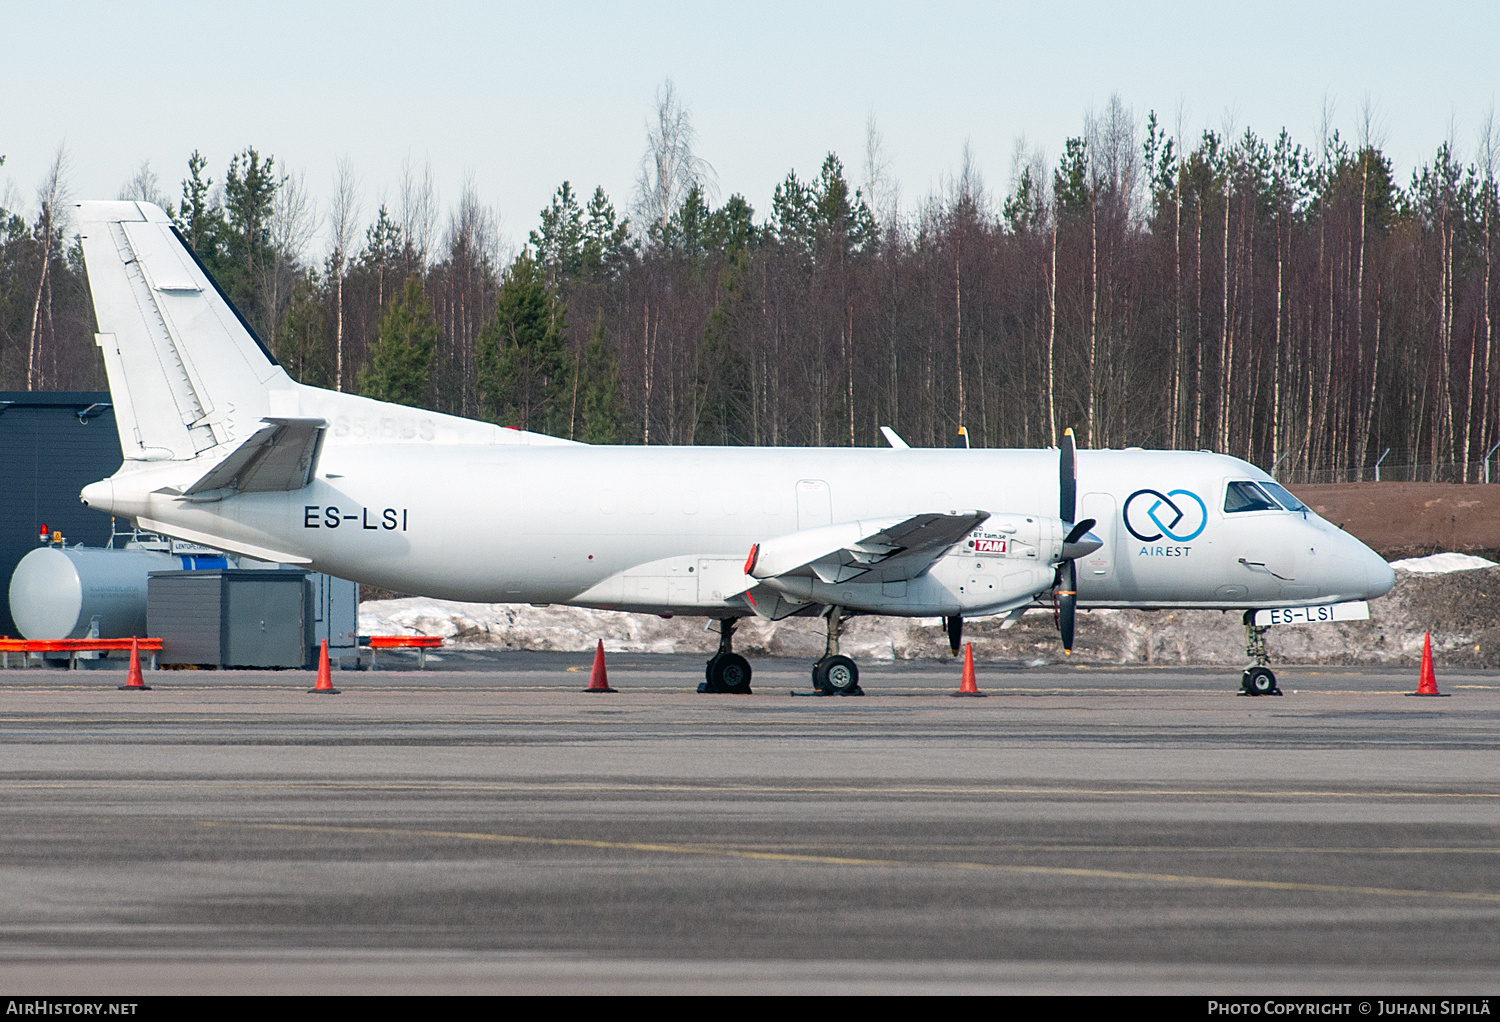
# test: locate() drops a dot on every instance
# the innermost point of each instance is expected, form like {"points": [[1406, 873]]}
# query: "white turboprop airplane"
{"points": [[223, 448]]}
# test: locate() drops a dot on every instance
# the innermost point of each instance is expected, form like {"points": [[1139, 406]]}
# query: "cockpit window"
{"points": [[1287, 501], [1244, 496]]}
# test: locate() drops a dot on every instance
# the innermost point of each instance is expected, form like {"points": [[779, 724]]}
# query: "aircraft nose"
{"points": [[1380, 576]]}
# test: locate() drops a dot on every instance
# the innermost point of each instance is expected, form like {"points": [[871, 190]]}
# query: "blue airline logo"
{"points": [[1179, 515]]}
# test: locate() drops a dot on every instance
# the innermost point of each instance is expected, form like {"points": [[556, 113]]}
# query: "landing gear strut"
{"points": [[836, 675], [727, 671], [1258, 679]]}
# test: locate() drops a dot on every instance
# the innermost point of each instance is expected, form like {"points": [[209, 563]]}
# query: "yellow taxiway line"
{"points": [[725, 852]]}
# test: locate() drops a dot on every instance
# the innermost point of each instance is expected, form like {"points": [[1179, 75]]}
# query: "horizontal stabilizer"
{"points": [[282, 455], [882, 549]]}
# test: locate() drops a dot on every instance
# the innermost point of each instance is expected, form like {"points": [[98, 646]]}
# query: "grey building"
{"points": [[52, 444]]}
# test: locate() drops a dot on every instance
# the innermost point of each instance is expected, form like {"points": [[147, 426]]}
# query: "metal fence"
{"points": [[1426, 472]]}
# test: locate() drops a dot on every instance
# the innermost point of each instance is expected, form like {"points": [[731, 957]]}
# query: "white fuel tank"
{"points": [[56, 593]]}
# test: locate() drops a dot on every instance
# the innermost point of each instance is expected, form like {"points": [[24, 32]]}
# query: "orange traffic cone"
{"points": [[1427, 683], [967, 687], [133, 680], [324, 687], [599, 678]]}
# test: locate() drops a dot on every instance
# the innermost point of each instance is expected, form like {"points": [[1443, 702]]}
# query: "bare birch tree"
{"points": [[1114, 172], [144, 186], [473, 254], [343, 226], [1175, 438], [418, 215], [1486, 167], [880, 193], [51, 221], [1369, 142], [294, 222], [670, 167]]}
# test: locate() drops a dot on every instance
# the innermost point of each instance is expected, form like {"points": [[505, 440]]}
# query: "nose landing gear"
{"points": [[727, 671], [836, 675], [1257, 679]]}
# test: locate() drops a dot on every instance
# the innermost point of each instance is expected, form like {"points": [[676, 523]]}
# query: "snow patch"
{"points": [[1458, 605], [519, 626], [479, 626], [1437, 564]]}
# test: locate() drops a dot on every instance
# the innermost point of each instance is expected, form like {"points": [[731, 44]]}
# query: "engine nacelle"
{"points": [[1003, 564]]}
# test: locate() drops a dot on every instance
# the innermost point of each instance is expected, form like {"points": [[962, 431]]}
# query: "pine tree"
{"points": [[1070, 182], [250, 188], [303, 343], [603, 238], [382, 251], [233, 240], [402, 359], [559, 242], [843, 217], [200, 221], [732, 226], [600, 410], [523, 377], [793, 212]]}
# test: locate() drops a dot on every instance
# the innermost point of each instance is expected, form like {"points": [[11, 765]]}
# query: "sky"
{"points": [[519, 97]]}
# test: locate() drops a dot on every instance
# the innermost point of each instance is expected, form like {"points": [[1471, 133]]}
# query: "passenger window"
{"points": [[1284, 497], [1248, 497]]}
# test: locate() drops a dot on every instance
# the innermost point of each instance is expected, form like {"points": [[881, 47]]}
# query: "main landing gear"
{"points": [[836, 675], [1258, 679], [727, 671], [832, 675]]}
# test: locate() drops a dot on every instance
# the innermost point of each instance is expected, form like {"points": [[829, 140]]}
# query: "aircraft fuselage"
{"points": [[550, 524]]}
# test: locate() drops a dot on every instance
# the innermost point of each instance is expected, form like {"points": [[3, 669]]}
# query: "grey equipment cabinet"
{"points": [[231, 617]]}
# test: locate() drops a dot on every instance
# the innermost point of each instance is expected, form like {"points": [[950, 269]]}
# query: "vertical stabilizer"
{"points": [[186, 373]]}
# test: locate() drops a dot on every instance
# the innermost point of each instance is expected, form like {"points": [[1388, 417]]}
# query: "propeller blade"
{"points": [[955, 626], [1067, 604], [1074, 545], [1067, 478]]}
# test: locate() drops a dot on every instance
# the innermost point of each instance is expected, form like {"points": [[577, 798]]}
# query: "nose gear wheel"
{"points": [[1258, 679]]}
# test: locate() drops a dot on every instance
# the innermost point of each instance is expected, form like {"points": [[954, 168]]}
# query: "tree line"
{"points": [[1297, 306]]}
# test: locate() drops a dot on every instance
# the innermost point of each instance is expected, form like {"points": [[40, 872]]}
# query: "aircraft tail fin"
{"points": [[186, 372]]}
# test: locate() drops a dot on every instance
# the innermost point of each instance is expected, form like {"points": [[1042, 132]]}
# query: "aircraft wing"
{"points": [[875, 550], [282, 455]]}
